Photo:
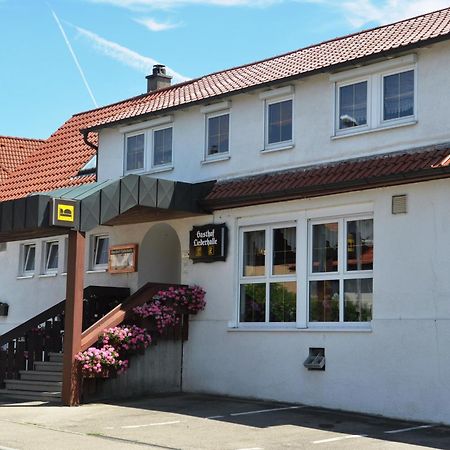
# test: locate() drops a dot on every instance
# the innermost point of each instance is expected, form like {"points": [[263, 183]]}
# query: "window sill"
{"points": [[277, 149], [159, 169], [301, 330], [217, 159], [96, 271], [385, 126], [24, 277], [47, 275]]}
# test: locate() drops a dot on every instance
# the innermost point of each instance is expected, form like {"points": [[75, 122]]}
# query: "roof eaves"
{"points": [[329, 68]]}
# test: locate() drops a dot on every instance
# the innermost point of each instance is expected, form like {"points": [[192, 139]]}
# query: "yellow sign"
{"points": [[66, 213]]}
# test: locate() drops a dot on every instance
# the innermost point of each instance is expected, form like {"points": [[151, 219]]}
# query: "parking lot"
{"points": [[187, 421]]}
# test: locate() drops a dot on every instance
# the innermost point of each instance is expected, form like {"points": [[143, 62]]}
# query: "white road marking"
{"points": [[266, 410], [403, 430], [340, 438], [215, 417], [151, 424], [7, 448], [253, 448]]}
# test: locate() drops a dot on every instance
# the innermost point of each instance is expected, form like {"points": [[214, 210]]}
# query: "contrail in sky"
{"points": [[75, 59]]}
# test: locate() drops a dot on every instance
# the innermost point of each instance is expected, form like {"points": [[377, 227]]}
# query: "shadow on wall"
{"points": [[160, 256]]}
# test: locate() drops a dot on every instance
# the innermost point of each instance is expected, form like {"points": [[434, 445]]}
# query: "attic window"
{"points": [[89, 167]]}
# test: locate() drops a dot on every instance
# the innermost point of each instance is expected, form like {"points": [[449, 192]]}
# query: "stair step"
{"points": [[38, 386], [38, 375], [6, 394], [48, 366], [56, 357]]}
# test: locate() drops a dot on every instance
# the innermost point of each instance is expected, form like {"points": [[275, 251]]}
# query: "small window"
{"points": [[218, 131], [135, 152], [162, 147], [51, 257], [28, 259], [100, 249], [398, 95], [353, 105], [279, 122]]}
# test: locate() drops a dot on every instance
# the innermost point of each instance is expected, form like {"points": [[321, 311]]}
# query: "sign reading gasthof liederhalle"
{"points": [[63, 213], [208, 243]]}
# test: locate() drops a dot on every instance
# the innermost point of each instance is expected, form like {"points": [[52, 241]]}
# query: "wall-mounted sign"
{"points": [[123, 258], [208, 243], [63, 213]]}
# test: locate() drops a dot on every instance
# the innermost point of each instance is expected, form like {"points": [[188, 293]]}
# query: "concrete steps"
{"points": [[44, 383]]}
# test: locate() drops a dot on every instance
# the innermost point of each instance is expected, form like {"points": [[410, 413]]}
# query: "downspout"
{"points": [[95, 147]]}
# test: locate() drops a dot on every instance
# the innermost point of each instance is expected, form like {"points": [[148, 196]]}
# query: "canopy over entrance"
{"points": [[132, 199]]}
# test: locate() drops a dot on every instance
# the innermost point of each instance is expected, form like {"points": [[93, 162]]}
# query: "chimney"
{"points": [[158, 79]]}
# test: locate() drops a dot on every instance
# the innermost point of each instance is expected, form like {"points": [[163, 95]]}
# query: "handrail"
{"points": [[55, 310], [21, 329], [117, 315]]}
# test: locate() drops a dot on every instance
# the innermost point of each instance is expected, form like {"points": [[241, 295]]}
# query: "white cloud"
{"points": [[170, 4], [154, 25], [124, 55], [362, 12]]}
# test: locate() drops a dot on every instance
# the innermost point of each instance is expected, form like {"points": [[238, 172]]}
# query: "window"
{"points": [[135, 152], [162, 147], [100, 252], [353, 105], [28, 259], [375, 96], [278, 122], [268, 286], [51, 250], [218, 134], [341, 270], [398, 95]]}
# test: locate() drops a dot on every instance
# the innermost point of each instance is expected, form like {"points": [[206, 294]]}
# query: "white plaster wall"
{"points": [[313, 128], [400, 368]]}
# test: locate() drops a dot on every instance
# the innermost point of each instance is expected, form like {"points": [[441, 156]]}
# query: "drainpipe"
{"points": [[95, 147]]}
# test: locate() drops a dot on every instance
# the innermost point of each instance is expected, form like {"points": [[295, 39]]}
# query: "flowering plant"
{"points": [[95, 361], [124, 338], [191, 298], [164, 315]]}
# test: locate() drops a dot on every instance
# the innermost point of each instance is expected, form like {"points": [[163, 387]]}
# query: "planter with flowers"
{"points": [[101, 362], [168, 308]]}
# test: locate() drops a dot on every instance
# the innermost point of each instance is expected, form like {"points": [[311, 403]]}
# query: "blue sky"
{"points": [[108, 46]]}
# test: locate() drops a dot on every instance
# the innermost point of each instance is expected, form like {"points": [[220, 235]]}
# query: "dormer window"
{"points": [[353, 105], [398, 95]]}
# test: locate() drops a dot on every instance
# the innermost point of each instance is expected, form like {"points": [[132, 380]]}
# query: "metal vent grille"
{"points": [[399, 204]]}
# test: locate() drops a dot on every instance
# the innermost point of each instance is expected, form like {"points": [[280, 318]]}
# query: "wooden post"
{"points": [[73, 318]]}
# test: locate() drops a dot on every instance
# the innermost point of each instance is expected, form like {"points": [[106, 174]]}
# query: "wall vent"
{"points": [[399, 204], [315, 359]]}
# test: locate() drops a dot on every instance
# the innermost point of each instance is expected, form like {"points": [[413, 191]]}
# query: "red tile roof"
{"points": [[54, 165], [59, 159], [13, 152], [378, 41], [344, 176]]}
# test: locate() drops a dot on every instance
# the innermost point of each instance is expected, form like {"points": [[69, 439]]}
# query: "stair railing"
{"points": [[34, 339]]}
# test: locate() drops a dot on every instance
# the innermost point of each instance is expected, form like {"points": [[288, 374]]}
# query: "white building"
{"points": [[331, 175]]}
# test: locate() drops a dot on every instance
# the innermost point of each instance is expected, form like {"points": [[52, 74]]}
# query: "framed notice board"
{"points": [[123, 258]]}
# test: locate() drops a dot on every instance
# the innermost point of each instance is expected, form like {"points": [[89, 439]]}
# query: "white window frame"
{"points": [[46, 247], [129, 135], [374, 74], [152, 144], [351, 130], [268, 277], [147, 129], [400, 120], [94, 250], [24, 259], [217, 156], [282, 144], [341, 274]]}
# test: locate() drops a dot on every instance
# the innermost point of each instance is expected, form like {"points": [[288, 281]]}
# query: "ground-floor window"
{"points": [[329, 280]]}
